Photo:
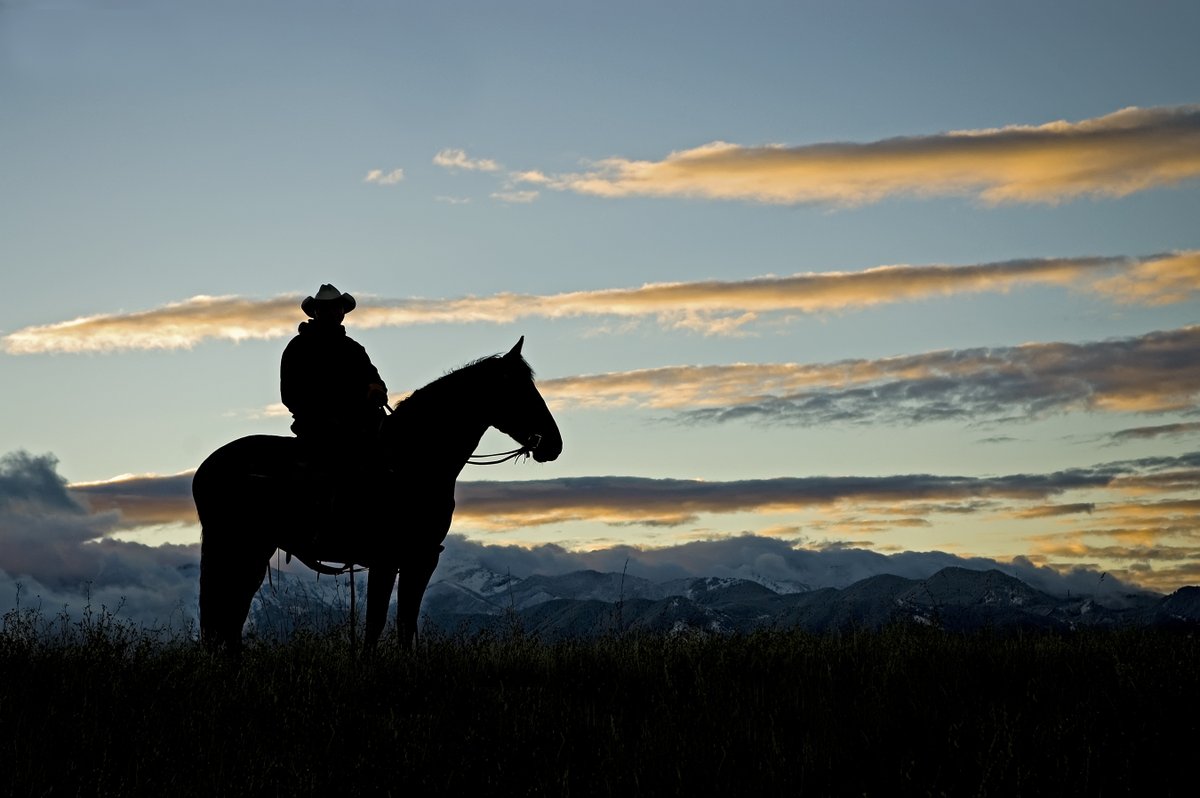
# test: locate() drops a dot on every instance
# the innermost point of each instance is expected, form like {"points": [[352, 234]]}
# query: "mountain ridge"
{"points": [[471, 598], [586, 603]]}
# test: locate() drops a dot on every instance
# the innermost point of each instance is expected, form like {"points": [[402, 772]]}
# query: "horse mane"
{"points": [[470, 371]]}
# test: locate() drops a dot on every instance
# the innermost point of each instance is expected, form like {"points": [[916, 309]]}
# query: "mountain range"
{"points": [[472, 598], [586, 603]]}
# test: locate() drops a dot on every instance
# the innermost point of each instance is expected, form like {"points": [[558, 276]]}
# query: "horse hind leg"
{"points": [[381, 579], [230, 575]]}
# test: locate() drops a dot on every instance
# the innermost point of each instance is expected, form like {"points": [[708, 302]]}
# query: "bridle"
{"points": [[496, 458]]}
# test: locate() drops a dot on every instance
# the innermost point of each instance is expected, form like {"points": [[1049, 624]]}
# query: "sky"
{"points": [[804, 283]]}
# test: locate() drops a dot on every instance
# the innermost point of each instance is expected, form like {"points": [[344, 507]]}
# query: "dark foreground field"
{"points": [[98, 709]]}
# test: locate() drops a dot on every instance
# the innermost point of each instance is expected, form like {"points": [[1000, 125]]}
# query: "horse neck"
{"points": [[441, 427]]}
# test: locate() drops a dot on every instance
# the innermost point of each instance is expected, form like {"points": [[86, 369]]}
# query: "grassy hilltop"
{"points": [[99, 708]]}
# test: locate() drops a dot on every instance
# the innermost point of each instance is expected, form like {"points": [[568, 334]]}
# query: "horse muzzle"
{"points": [[544, 448]]}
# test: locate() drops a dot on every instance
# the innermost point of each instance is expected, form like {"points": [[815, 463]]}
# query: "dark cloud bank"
{"points": [[56, 551]]}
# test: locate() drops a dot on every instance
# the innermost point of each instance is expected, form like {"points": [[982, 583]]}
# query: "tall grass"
{"points": [[98, 707]]}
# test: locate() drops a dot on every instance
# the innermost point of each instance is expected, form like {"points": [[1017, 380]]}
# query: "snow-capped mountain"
{"points": [[587, 602], [471, 598]]}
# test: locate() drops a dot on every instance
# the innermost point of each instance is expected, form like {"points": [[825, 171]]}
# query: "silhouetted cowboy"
{"points": [[327, 381]]}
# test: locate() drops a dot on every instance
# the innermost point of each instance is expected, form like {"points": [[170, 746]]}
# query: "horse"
{"points": [[258, 494]]}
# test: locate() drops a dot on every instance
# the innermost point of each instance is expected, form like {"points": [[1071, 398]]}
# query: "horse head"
{"points": [[520, 412]]}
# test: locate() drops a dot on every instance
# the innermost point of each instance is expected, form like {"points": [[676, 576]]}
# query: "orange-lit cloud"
{"points": [[712, 306], [1153, 541], [1127, 151], [140, 500], [1160, 281], [179, 325]]}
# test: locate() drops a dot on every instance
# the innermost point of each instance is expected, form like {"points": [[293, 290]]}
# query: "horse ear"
{"points": [[516, 350]]}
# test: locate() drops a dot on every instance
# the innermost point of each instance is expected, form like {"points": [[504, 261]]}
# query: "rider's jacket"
{"points": [[325, 380]]}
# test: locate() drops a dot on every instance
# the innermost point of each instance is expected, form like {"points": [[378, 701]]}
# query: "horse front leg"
{"points": [[380, 581], [415, 573]]}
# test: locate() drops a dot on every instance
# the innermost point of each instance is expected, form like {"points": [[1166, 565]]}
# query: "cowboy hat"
{"points": [[327, 294]]}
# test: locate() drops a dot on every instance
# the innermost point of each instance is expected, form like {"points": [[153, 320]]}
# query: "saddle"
{"points": [[341, 513]]}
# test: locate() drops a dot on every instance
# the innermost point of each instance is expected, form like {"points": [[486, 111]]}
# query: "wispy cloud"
{"points": [[667, 502], [1157, 372], [710, 306], [515, 197], [381, 178], [1127, 151], [1158, 431], [178, 325], [458, 159], [1154, 281]]}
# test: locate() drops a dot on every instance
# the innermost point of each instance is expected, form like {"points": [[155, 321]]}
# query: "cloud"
{"points": [[1146, 542], [1161, 430], [617, 500], [1121, 153], [30, 481], [515, 197], [378, 177], [178, 325], [711, 306], [532, 176], [667, 502], [1157, 281], [1121, 513], [457, 159], [1055, 510], [140, 500], [1156, 372], [56, 550]]}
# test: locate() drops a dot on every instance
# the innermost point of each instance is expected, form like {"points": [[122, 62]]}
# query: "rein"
{"points": [[500, 457]]}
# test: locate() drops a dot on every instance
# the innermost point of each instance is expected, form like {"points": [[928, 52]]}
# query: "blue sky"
{"points": [[155, 152]]}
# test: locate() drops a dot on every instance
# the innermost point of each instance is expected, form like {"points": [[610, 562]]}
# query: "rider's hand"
{"points": [[376, 395]]}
